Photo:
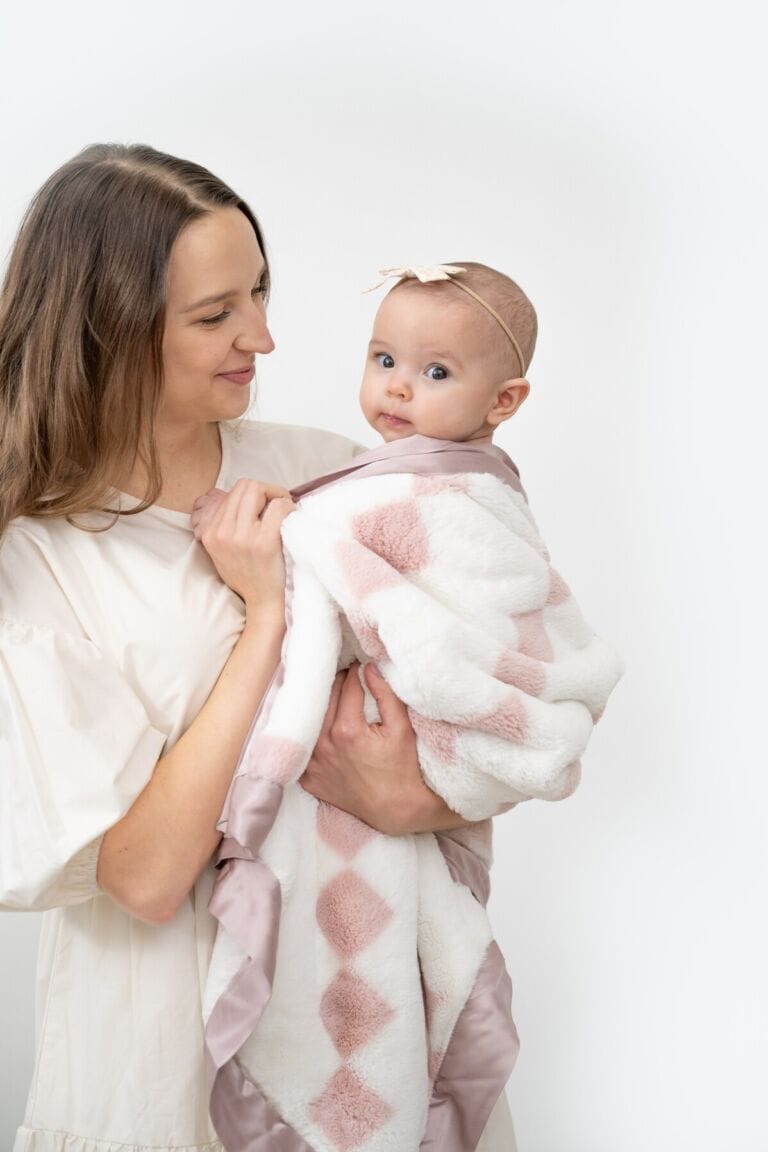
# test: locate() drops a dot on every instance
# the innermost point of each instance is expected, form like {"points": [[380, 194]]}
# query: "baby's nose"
{"points": [[398, 386]]}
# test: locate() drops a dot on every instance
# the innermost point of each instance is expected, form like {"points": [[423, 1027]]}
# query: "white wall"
{"points": [[604, 154]]}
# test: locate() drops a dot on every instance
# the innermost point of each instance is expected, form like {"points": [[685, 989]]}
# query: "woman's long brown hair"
{"points": [[82, 313]]}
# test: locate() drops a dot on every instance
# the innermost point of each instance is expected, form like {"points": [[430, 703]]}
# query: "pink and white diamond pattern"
{"points": [[351, 916]]}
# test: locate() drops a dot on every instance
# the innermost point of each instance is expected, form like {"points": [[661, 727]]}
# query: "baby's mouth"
{"points": [[394, 421]]}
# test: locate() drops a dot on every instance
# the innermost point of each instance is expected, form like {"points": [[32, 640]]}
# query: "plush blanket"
{"points": [[356, 998]]}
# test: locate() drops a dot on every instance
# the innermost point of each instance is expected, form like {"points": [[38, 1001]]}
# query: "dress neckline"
{"points": [[172, 515]]}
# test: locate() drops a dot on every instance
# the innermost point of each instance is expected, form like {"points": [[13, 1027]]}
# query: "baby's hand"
{"points": [[204, 508]]}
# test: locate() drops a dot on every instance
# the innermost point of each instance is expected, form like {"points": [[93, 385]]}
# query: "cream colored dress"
{"points": [[109, 646]]}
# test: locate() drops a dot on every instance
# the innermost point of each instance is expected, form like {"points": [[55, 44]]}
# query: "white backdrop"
{"points": [[604, 154]]}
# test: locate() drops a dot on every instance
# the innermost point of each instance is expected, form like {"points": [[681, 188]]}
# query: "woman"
{"points": [[131, 658]]}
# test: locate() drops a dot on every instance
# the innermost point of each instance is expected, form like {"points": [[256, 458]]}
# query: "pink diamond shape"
{"points": [[437, 736], [348, 1111], [522, 671], [559, 591], [395, 532], [352, 1012], [343, 832], [365, 572], [350, 913], [532, 635]]}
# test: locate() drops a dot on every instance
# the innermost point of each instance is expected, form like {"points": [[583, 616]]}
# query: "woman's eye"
{"points": [[437, 372], [211, 321], [385, 360], [259, 290]]}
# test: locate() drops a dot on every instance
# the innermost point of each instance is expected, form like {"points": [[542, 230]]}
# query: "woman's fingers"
{"points": [[269, 491], [278, 508], [239, 507], [243, 509], [393, 712], [249, 502], [245, 504], [349, 704], [209, 500], [233, 515], [241, 534], [349, 714], [204, 508], [372, 770]]}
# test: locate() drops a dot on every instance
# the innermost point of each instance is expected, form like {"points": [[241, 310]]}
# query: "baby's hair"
{"points": [[504, 296]]}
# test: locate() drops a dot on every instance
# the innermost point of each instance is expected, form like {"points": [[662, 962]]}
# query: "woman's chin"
{"points": [[236, 405]]}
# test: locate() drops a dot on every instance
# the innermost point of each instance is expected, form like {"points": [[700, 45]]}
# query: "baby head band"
{"points": [[427, 274]]}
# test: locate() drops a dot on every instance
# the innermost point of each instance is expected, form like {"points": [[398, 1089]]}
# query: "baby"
{"points": [[356, 997], [449, 353]]}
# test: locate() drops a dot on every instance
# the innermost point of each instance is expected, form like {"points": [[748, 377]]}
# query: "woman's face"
{"points": [[215, 320]]}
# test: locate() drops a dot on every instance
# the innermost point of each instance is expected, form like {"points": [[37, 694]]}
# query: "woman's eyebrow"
{"points": [[219, 296], [209, 300]]}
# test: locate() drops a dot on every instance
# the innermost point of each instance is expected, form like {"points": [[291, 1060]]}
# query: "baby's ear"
{"points": [[509, 397]]}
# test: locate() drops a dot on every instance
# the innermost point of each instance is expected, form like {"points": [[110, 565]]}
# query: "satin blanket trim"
{"points": [[423, 455]]}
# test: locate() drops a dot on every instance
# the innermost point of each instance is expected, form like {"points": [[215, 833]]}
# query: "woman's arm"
{"points": [[372, 770], [151, 858]]}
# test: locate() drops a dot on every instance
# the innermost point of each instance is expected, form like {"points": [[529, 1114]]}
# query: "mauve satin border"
{"points": [[465, 867], [477, 1063], [246, 901], [246, 1121], [424, 456]]}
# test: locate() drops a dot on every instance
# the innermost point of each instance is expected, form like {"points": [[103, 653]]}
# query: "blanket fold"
{"points": [[356, 998]]}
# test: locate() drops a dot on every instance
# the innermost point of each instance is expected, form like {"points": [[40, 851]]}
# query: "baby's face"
{"points": [[432, 368]]}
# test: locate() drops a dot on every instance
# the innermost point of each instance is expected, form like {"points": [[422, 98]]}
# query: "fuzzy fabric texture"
{"points": [[443, 582]]}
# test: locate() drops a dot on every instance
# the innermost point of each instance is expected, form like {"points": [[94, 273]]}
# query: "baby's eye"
{"points": [[385, 360], [437, 372]]}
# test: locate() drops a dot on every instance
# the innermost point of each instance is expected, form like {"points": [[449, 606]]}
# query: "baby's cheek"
{"points": [[441, 417]]}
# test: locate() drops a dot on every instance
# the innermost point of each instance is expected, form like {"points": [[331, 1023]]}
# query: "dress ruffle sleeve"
{"points": [[76, 749]]}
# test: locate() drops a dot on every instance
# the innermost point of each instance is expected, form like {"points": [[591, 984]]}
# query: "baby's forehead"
{"points": [[425, 310], [437, 293], [411, 302]]}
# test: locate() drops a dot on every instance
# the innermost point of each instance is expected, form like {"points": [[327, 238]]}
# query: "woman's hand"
{"points": [[372, 770], [240, 531]]}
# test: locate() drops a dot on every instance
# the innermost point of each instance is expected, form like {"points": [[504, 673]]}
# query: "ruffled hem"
{"points": [[43, 1140]]}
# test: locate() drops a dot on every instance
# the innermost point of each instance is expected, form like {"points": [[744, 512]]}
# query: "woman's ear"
{"points": [[509, 397]]}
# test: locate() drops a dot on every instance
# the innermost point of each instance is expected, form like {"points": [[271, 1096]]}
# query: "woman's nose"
{"points": [[256, 337]]}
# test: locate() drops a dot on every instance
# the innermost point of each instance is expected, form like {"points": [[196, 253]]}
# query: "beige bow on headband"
{"points": [[428, 274], [425, 273]]}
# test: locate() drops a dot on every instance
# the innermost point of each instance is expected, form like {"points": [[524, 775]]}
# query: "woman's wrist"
{"points": [[434, 815], [422, 810], [265, 616]]}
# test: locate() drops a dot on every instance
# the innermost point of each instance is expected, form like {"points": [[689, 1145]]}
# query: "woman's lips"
{"points": [[243, 377]]}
